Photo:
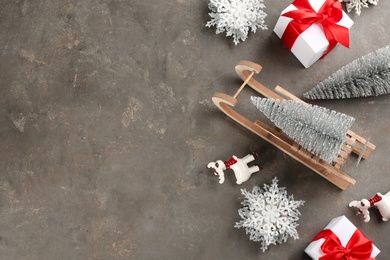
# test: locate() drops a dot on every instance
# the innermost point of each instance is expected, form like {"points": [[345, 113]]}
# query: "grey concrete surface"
{"points": [[107, 127]]}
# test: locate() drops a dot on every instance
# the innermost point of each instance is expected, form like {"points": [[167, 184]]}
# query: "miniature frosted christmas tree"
{"points": [[236, 17], [268, 215], [364, 77], [358, 4], [319, 130]]}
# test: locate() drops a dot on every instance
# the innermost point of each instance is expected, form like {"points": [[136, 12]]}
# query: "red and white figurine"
{"points": [[381, 202], [240, 167]]}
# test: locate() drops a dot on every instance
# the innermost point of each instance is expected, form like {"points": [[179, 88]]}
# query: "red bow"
{"points": [[329, 14], [357, 248]]}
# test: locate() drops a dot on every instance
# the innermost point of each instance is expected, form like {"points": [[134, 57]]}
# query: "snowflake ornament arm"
{"points": [[237, 17], [268, 215], [358, 4]]}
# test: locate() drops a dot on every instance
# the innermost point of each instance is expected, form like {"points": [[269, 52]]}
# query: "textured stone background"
{"points": [[107, 127]]}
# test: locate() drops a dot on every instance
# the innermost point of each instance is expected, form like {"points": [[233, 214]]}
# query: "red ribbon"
{"points": [[329, 14], [357, 248]]}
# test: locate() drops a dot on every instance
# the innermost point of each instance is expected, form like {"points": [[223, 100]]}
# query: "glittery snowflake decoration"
{"points": [[269, 215], [236, 17], [358, 4]]}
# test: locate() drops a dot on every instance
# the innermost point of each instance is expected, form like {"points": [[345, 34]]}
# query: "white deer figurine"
{"points": [[239, 166], [381, 202]]}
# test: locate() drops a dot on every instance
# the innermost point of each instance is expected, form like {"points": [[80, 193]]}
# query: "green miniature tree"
{"points": [[364, 77], [319, 130]]}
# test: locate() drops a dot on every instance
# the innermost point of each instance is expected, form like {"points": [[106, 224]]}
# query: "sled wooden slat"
{"points": [[346, 150], [331, 172]]}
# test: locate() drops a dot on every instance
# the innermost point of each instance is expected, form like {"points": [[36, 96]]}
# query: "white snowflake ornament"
{"points": [[358, 4], [236, 17], [269, 215]]}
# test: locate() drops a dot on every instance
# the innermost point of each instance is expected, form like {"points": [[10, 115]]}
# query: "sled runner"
{"points": [[330, 171]]}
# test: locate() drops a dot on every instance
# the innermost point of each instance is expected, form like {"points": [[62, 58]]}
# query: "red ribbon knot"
{"points": [[330, 13], [357, 248], [322, 17]]}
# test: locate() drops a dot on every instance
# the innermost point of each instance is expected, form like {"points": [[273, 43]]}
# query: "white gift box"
{"points": [[312, 43], [343, 229]]}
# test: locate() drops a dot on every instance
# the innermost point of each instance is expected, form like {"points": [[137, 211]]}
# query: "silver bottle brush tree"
{"points": [[319, 130]]}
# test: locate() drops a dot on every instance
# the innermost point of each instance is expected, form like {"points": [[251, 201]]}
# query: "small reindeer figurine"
{"points": [[382, 202], [239, 166]]}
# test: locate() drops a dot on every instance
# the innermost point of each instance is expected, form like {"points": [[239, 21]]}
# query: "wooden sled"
{"points": [[353, 142]]}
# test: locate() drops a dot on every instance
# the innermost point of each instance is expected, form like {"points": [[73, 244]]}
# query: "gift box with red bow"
{"points": [[310, 29], [340, 239]]}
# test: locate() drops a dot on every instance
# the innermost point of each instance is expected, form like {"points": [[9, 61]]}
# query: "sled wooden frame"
{"points": [[354, 143]]}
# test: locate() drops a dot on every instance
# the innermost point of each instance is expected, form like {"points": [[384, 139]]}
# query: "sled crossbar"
{"points": [[353, 142]]}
